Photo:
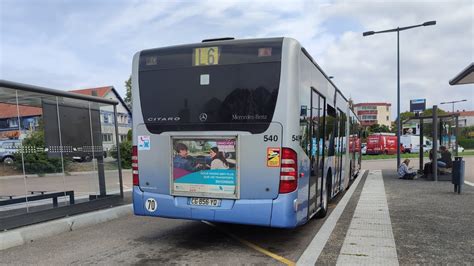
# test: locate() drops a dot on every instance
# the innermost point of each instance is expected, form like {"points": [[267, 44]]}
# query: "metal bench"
{"points": [[43, 195]]}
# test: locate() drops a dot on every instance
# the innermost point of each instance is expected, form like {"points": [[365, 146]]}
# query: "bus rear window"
{"points": [[233, 97]]}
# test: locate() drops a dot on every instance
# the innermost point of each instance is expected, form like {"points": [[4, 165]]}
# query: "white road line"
{"points": [[370, 240], [469, 183], [314, 249]]}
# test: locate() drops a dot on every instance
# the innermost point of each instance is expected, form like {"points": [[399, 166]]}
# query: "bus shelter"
{"points": [[466, 76], [53, 163], [444, 131]]}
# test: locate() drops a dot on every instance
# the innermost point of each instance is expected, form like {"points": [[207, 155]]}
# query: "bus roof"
{"points": [[219, 41]]}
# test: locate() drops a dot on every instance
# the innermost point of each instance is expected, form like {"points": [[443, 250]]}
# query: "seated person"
{"points": [[404, 172], [445, 161]]}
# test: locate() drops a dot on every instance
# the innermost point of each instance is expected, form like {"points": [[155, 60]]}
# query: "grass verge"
{"points": [[406, 155]]}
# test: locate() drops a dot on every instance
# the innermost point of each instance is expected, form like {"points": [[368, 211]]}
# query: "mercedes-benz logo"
{"points": [[203, 117]]}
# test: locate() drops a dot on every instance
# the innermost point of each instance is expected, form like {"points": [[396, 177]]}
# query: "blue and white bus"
{"points": [[239, 131]]}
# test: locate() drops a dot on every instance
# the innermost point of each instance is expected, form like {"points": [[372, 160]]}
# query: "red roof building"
{"points": [[10, 111], [466, 118]]}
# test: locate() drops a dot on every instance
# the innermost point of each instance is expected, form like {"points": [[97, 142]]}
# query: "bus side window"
{"points": [[330, 129], [304, 129], [305, 117]]}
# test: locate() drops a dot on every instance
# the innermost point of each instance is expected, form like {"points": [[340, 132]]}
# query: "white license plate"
{"points": [[205, 202]]}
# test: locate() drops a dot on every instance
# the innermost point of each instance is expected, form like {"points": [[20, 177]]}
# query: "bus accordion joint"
{"points": [[136, 180], [288, 171]]}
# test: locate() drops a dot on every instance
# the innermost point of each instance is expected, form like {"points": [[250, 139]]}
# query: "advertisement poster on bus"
{"points": [[205, 167]]}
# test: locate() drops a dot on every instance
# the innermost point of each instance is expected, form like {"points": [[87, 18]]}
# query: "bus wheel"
{"points": [[324, 209]]}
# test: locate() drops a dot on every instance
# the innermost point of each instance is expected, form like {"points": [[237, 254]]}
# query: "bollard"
{"points": [[458, 174]]}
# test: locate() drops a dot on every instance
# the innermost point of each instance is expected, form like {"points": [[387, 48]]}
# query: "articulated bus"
{"points": [[239, 131]]}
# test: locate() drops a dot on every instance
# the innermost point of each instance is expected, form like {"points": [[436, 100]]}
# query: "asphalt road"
{"points": [[431, 225], [151, 241]]}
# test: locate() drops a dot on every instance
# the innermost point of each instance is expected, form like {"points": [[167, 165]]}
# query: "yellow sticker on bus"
{"points": [[273, 157], [206, 56]]}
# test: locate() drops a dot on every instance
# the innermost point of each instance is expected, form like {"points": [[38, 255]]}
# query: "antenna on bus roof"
{"points": [[219, 39]]}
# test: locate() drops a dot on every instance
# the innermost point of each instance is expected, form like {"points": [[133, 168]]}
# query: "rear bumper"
{"points": [[279, 212]]}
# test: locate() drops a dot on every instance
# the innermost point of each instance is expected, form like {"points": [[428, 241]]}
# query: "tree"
{"points": [[429, 112], [376, 128], [125, 151], [406, 115], [128, 93]]}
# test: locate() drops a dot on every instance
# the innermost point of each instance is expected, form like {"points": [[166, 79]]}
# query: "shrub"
{"points": [[467, 143], [125, 154], [35, 158]]}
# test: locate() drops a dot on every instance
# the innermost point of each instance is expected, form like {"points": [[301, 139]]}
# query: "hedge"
{"points": [[467, 143]]}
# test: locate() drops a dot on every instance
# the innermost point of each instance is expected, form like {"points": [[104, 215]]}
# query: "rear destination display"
{"points": [[205, 167]]}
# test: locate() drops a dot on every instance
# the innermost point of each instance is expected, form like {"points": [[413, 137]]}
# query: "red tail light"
{"points": [[136, 180], [288, 171]]}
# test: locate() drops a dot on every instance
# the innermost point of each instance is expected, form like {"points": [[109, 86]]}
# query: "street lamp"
{"points": [[398, 29], [453, 102]]}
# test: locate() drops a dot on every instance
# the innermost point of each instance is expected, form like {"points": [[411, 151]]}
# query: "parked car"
{"points": [[87, 158], [7, 150]]}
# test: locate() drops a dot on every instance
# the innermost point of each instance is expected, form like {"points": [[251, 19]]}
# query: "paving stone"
{"points": [[369, 239]]}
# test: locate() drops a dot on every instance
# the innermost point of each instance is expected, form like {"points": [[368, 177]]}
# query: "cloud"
{"points": [[429, 56], [90, 43]]}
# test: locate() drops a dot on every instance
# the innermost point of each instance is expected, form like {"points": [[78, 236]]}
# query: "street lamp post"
{"points": [[398, 29], [453, 102]]}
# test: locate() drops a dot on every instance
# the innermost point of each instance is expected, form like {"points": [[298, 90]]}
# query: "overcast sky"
{"points": [[90, 43]]}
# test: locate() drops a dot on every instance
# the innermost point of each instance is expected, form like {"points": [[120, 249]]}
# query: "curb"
{"points": [[20, 236]]}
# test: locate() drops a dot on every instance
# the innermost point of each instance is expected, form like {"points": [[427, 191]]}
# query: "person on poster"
{"points": [[218, 159], [182, 160]]}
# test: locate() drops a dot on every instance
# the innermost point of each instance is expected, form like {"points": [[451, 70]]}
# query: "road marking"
{"points": [[314, 249], [253, 246], [469, 183], [369, 239]]}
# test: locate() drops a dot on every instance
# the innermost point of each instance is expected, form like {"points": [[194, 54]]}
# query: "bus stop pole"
{"points": [[434, 162], [456, 135], [117, 143], [421, 144]]}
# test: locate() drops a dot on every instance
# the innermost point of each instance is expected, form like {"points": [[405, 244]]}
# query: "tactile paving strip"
{"points": [[369, 239]]}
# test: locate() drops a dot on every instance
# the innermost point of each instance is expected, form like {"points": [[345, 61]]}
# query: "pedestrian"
{"points": [[404, 172]]}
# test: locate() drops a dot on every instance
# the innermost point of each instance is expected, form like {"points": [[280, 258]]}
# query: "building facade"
{"points": [[9, 126], [124, 116], [373, 113], [466, 118]]}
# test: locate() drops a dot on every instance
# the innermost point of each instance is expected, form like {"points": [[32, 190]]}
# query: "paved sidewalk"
{"points": [[369, 240], [431, 224]]}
